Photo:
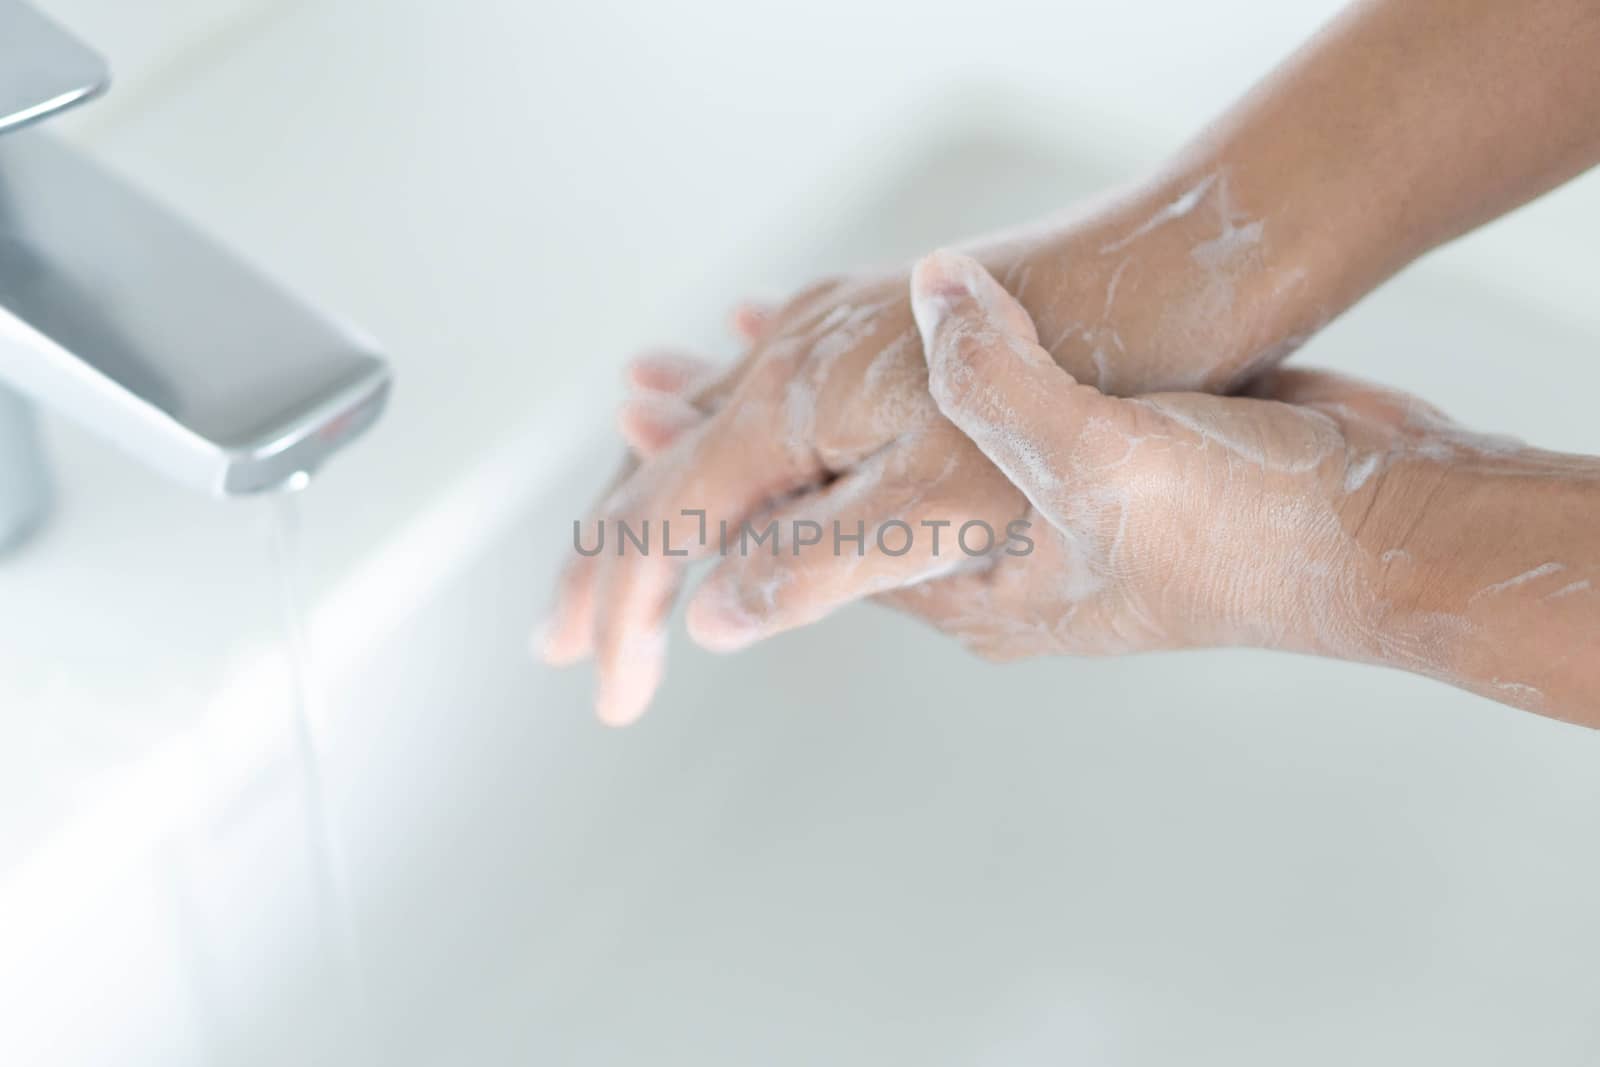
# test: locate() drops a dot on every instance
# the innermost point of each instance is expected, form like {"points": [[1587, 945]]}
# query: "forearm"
{"points": [[1406, 123], [1490, 575], [1402, 125]]}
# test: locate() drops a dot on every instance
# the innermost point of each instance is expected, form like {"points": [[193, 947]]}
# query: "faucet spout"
{"points": [[118, 314]]}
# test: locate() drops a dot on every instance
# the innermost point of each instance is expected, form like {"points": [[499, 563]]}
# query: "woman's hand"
{"points": [[1172, 520], [1321, 515], [829, 407]]}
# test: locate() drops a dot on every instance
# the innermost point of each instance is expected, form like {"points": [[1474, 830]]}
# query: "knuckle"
{"points": [[754, 583], [976, 350], [960, 379], [823, 287]]}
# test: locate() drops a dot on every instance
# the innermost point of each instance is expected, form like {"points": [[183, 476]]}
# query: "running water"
{"points": [[335, 921]]}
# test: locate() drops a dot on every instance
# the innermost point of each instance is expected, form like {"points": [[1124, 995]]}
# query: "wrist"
{"points": [[1182, 283], [1353, 564], [1481, 564], [1496, 506]]}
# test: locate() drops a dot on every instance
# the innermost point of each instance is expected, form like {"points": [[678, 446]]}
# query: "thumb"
{"points": [[990, 378]]}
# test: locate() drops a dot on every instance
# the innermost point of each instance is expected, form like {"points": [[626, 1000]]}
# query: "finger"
{"points": [[758, 325], [1301, 385], [725, 469], [989, 376], [672, 371], [911, 514], [651, 421], [1354, 396], [567, 636], [951, 605], [1003, 611], [750, 320], [669, 371]]}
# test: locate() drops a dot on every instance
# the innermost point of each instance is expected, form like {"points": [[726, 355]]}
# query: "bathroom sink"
{"points": [[856, 844], [853, 844]]}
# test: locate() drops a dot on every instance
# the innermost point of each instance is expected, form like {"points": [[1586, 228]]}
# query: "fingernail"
{"points": [[939, 280]]}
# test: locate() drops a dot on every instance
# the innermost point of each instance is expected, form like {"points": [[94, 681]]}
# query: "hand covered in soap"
{"points": [[1171, 520], [829, 411], [1320, 515]]}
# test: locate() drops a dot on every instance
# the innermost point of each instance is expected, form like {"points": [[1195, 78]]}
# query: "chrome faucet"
{"points": [[116, 313]]}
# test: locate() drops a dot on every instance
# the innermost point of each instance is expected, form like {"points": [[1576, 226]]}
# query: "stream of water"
{"points": [[336, 932]]}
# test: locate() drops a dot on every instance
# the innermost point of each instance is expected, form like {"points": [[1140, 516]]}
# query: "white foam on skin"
{"points": [[1358, 473], [1244, 447], [1519, 694], [887, 360], [1544, 570], [800, 413], [1111, 286], [840, 331], [1197, 311], [1177, 209], [1223, 250], [1017, 280], [988, 418], [1581, 586], [1292, 577], [1102, 370], [1029, 466]]}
